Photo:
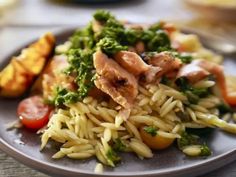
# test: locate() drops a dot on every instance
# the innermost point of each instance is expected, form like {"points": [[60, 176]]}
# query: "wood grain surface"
{"points": [[9, 167]]}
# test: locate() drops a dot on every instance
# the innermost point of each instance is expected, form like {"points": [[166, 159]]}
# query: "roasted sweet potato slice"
{"points": [[18, 75]]}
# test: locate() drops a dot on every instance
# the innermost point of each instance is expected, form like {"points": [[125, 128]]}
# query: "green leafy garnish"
{"points": [[112, 157], [186, 140], [64, 96], [165, 80], [156, 26], [81, 64], [223, 108], [205, 150], [131, 36], [151, 130], [83, 38], [102, 15], [190, 139], [184, 57], [119, 146], [110, 46], [193, 94], [156, 40], [112, 29]]}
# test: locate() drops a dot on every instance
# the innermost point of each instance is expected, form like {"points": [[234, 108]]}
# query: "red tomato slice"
{"points": [[33, 113]]}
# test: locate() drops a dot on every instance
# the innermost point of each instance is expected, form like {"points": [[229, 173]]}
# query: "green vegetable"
{"points": [[111, 32], [187, 139], [151, 130], [156, 41], [119, 146], [102, 16], [110, 46], [81, 63], [83, 38], [193, 94], [205, 150], [184, 57], [64, 96], [190, 139], [165, 80], [112, 156], [131, 36], [156, 26], [223, 108]]}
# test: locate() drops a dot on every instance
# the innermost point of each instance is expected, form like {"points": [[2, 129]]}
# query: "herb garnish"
{"points": [[190, 139], [112, 157], [151, 130], [192, 93]]}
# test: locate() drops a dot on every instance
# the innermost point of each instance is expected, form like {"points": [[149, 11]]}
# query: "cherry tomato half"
{"points": [[33, 113]]}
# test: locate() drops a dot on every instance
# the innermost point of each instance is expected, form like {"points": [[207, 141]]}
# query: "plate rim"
{"points": [[50, 168], [43, 166]]}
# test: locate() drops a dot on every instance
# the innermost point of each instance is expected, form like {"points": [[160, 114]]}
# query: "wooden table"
{"points": [[30, 18]]}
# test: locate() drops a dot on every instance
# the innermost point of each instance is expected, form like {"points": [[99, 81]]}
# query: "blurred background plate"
{"points": [[95, 1], [224, 10]]}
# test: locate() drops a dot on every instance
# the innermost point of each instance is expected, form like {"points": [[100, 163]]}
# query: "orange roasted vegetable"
{"points": [[156, 141], [18, 75]]}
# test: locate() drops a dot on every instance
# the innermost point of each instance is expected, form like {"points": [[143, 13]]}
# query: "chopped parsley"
{"points": [[193, 94], [184, 57], [102, 16], [187, 139], [165, 80], [81, 64], [205, 150], [224, 108], [64, 96], [83, 38], [156, 26], [156, 40], [190, 139], [151, 130], [112, 157], [119, 146], [110, 46]]}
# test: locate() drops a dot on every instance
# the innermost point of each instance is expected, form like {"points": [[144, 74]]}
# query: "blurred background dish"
{"points": [[214, 9], [94, 1]]}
